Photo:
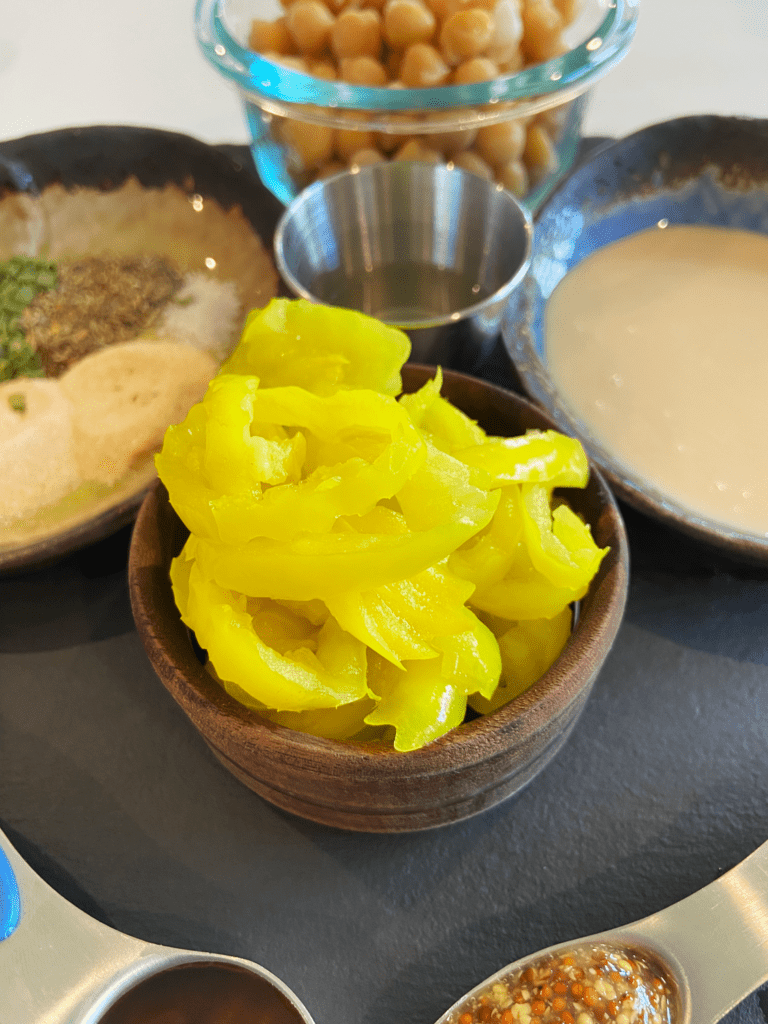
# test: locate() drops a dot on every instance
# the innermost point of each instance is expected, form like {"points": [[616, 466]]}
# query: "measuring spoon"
{"points": [[700, 957], [60, 966]]}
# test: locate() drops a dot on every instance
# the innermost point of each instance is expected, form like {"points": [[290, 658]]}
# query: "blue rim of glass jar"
{"points": [[572, 73]]}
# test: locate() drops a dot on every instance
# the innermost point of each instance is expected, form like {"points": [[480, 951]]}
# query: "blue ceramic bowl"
{"points": [[693, 170]]}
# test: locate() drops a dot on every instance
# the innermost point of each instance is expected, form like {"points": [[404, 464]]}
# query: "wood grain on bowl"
{"points": [[367, 786]]}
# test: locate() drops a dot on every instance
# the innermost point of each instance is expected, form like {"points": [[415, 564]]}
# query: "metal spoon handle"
{"points": [[59, 966], [716, 940], [54, 956]]}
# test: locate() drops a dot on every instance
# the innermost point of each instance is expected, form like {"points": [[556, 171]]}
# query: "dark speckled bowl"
{"points": [[101, 158], [693, 170]]}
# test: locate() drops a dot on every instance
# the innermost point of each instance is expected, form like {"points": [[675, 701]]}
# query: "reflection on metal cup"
{"points": [[431, 249]]}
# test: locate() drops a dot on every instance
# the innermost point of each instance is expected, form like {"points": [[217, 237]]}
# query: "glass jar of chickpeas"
{"points": [[496, 87]]}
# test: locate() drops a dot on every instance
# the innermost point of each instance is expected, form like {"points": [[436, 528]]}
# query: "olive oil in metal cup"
{"points": [[431, 249]]}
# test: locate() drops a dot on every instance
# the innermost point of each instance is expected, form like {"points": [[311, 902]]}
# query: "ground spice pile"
{"points": [[99, 301]]}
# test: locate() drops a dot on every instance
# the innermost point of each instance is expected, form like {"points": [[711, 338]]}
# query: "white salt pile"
{"points": [[206, 313]]}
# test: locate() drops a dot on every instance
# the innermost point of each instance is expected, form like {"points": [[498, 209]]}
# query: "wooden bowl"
{"points": [[365, 786]]}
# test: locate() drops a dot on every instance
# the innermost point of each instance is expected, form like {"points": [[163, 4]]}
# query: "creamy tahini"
{"points": [[659, 343]]}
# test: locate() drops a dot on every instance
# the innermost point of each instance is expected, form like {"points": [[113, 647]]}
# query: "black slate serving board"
{"points": [[112, 796]]}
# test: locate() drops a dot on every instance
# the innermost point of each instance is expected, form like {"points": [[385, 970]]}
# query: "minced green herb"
{"points": [[21, 279], [18, 403]]}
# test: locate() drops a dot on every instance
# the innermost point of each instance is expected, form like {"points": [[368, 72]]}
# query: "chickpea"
{"points": [[392, 64], [466, 34], [451, 141], [500, 143], [416, 150], [543, 25], [400, 127], [422, 66], [455, 142], [476, 69], [438, 8], [388, 142], [270, 37], [322, 69], [443, 9], [288, 61], [366, 157], [470, 161], [507, 33], [309, 23], [514, 62], [311, 145], [362, 71], [352, 140], [514, 177], [357, 34], [540, 153], [408, 21], [568, 9], [329, 169]]}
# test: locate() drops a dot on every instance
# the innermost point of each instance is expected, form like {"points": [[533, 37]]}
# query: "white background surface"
{"points": [[117, 62]]}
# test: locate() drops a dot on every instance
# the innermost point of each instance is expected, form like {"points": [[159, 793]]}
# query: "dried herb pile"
{"points": [[22, 279], [98, 301]]}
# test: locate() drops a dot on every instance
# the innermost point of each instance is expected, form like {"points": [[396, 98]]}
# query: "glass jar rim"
{"points": [[566, 76]]}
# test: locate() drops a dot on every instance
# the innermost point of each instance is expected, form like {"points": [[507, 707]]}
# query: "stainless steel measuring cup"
{"points": [[60, 966], [711, 947], [431, 249]]}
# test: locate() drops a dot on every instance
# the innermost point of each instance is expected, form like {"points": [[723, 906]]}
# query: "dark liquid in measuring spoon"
{"points": [[401, 292], [212, 993]]}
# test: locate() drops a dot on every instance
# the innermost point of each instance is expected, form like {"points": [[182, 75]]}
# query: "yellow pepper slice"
{"points": [[527, 596], [548, 538], [321, 565], [399, 620], [320, 348], [442, 491], [420, 702], [440, 507], [507, 566], [333, 673], [234, 458], [488, 556], [354, 558], [241, 431], [528, 649], [424, 699], [538, 456], [448, 427], [471, 658], [331, 490], [368, 616], [342, 723], [180, 467]]}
